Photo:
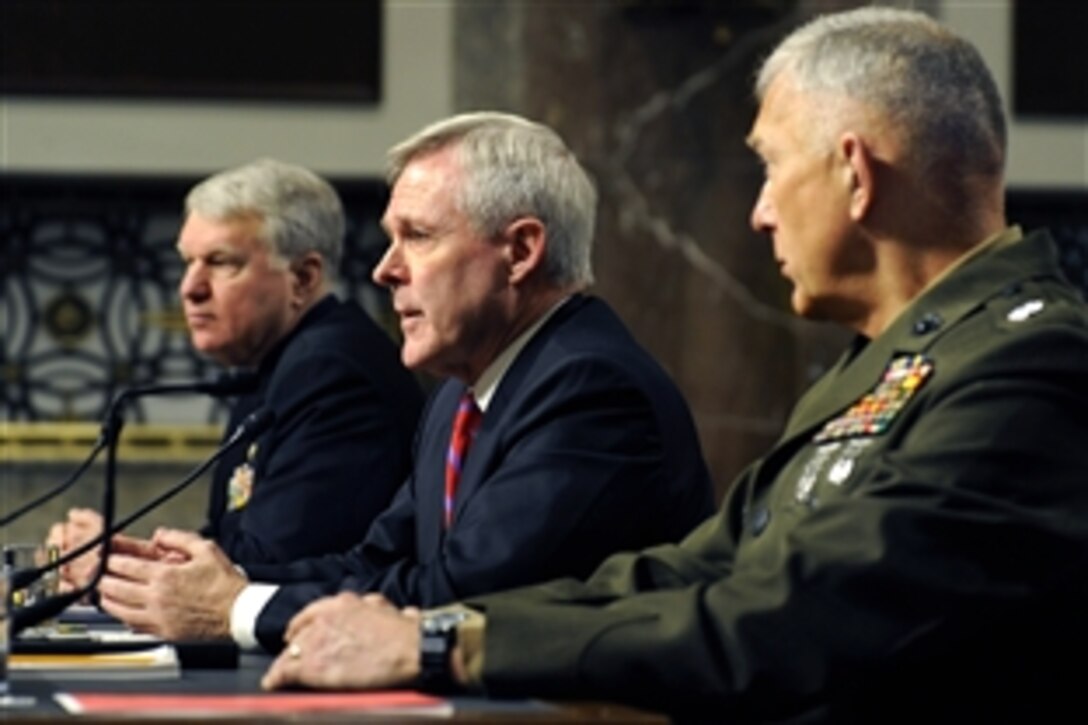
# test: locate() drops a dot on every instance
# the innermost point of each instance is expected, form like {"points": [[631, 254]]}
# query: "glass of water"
{"points": [[8, 700]]}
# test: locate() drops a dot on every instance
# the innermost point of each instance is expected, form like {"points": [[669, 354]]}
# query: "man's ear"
{"points": [[526, 242], [307, 276], [859, 165]]}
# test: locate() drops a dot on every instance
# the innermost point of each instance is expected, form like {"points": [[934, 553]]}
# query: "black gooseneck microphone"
{"points": [[226, 384], [252, 426], [232, 382]]}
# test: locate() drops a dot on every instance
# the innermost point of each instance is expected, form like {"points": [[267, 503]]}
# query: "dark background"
{"points": [[245, 49]]}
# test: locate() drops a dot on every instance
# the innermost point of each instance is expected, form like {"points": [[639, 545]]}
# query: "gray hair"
{"points": [[514, 168], [932, 84], [300, 212]]}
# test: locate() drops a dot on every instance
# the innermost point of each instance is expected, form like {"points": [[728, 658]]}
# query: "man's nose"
{"points": [[194, 283], [389, 272], [762, 216]]}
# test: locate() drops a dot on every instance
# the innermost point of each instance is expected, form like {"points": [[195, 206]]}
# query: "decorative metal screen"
{"points": [[88, 294]]}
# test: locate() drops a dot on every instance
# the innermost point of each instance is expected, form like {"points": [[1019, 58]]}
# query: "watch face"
{"points": [[438, 636], [442, 621]]}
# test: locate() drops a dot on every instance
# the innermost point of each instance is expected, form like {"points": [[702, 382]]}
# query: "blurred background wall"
{"points": [[654, 96]]}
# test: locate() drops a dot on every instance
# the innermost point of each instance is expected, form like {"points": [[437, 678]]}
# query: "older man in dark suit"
{"points": [[556, 441]]}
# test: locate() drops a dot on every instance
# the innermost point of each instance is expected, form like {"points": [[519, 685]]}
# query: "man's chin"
{"points": [[216, 354], [801, 305], [421, 359], [413, 361]]}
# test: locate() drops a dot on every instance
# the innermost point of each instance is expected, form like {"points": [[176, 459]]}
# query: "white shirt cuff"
{"points": [[244, 612]]}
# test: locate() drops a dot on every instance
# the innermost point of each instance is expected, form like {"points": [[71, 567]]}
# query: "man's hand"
{"points": [[348, 642], [177, 586], [81, 526]]}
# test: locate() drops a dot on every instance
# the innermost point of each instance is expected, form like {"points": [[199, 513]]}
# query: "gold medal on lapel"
{"points": [[874, 413], [240, 487]]}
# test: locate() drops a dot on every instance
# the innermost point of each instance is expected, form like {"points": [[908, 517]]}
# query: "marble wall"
{"points": [[655, 98]]}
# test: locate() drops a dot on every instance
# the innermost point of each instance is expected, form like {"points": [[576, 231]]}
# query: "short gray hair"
{"points": [[932, 84], [514, 168], [300, 212]]}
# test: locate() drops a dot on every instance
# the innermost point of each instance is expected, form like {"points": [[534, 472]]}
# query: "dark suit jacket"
{"points": [[340, 446], [903, 553], [587, 448]]}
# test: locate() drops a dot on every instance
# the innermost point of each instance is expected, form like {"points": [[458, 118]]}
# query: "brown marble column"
{"points": [[655, 98]]}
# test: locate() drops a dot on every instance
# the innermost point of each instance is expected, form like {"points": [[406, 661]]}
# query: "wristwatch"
{"points": [[437, 638]]}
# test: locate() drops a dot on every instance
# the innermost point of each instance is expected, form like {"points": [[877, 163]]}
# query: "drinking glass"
{"points": [[8, 699]]}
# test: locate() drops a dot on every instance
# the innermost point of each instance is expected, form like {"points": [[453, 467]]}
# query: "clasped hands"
{"points": [[178, 585]]}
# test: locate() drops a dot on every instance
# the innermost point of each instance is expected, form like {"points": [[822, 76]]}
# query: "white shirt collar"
{"points": [[484, 388]]}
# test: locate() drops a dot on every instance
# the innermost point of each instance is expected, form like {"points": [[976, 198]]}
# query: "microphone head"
{"points": [[231, 382], [257, 422]]}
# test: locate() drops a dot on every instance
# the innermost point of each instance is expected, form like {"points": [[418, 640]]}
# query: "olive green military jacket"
{"points": [[916, 543]]}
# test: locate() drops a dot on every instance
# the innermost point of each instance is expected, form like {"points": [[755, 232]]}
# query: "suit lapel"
{"points": [[486, 452], [478, 461], [430, 469]]}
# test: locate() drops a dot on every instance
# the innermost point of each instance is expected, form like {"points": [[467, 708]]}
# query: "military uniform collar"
{"points": [[982, 274]]}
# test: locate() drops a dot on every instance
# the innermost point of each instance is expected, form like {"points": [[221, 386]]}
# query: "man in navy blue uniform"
{"points": [[261, 244]]}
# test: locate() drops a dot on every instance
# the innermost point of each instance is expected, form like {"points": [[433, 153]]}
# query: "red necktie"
{"points": [[465, 423]]}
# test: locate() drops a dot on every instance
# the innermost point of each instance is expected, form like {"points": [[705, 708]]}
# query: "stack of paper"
{"points": [[151, 663]]}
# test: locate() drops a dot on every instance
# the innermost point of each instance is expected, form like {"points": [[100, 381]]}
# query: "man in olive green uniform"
{"points": [[915, 547]]}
